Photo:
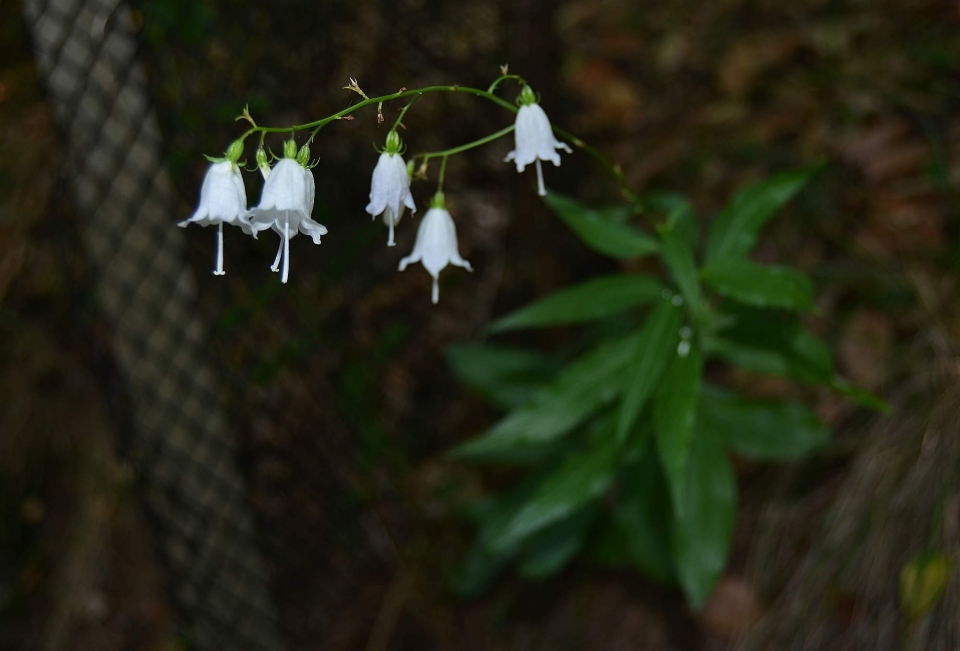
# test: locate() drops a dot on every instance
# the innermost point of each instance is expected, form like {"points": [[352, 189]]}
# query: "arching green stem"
{"points": [[465, 147], [316, 125], [443, 171], [404, 111], [501, 78]]}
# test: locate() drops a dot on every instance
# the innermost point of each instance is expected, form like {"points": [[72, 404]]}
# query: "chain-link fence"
{"points": [[179, 443]]}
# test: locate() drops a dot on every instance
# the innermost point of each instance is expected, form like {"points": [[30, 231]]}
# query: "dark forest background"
{"points": [[339, 395]]}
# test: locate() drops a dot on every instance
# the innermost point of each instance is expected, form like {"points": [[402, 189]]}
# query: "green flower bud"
{"points": [[393, 143], [303, 156], [290, 149], [262, 157], [437, 201], [410, 168], [234, 151], [527, 96]]}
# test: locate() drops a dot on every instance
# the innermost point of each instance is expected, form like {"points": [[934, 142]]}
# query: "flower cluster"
{"points": [[285, 204], [287, 199]]}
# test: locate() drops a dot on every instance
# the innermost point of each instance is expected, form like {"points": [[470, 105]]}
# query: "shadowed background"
{"points": [[336, 388]]}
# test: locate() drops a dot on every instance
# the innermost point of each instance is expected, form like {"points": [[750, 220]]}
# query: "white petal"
{"points": [[379, 183], [313, 229], [285, 195], [222, 196]]}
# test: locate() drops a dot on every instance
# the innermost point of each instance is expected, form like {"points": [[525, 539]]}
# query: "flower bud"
{"points": [[290, 149], [263, 163], [527, 96], [303, 156], [234, 151], [393, 143], [410, 169]]}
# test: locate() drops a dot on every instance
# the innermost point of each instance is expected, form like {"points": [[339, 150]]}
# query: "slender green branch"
{"points": [[443, 172], [318, 124], [496, 82], [470, 145], [404, 111], [612, 168]]}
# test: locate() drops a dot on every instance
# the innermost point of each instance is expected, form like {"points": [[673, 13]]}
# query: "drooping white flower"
{"points": [[390, 186], [223, 198], [436, 244], [287, 203], [533, 138]]}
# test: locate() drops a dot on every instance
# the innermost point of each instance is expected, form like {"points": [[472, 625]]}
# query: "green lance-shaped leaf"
{"points": [[702, 532], [507, 376], [598, 231], [482, 564], [680, 212], [760, 285], [548, 551], [734, 232], [654, 347], [674, 416], [644, 517], [679, 256], [594, 299], [769, 342], [761, 429], [581, 479], [593, 380], [479, 568]]}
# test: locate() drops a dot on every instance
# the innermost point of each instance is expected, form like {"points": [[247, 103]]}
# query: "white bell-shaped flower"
{"points": [[287, 203], [436, 244], [390, 186], [533, 138], [223, 198]]}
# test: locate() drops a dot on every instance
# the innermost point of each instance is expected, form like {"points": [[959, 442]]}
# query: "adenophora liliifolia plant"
{"points": [[629, 445], [287, 199]]}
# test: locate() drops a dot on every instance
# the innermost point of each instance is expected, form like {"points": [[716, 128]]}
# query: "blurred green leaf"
{"points": [[581, 479], [599, 232], [859, 396], [702, 532], [760, 285], [922, 583], [482, 564], [761, 429], [594, 299], [507, 376], [674, 416], [480, 567], [734, 231], [678, 255], [770, 342], [678, 210], [593, 380], [644, 517], [547, 552], [653, 349]]}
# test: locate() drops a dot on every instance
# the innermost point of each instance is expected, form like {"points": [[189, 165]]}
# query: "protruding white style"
{"points": [[390, 191], [533, 138], [285, 206], [436, 246], [223, 199]]}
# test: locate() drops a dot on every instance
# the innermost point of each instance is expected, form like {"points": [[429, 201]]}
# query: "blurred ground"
{"points": [[339, 396]]}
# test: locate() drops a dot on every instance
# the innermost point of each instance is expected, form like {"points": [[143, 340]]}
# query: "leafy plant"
{"points": [[628, 446]]}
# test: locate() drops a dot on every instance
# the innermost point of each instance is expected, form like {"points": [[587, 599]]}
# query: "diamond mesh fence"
{"points": [[88, 53]]}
